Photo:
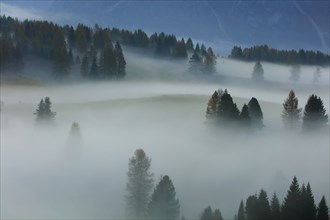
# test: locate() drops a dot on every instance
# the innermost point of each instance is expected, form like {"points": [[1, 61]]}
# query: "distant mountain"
{"points": [[222, 24]]}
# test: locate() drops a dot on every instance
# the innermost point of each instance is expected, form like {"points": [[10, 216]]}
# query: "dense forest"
{"points": [[265, 53], [97, 51]]}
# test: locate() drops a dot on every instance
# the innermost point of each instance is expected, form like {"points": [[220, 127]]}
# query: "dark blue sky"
{"points": [[222, 24]]}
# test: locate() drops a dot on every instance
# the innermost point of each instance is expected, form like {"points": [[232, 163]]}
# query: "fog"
{"points": [[159, 107]]}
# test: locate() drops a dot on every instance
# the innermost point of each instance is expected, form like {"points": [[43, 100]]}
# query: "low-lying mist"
{"points": [[166, 118]]}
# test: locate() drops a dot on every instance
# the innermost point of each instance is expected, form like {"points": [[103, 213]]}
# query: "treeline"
{"points": [[97, 51], [265, 53], [299, 204], [222, 111]]}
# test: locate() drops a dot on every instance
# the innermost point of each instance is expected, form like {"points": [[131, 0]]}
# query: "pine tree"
{"points": [[258, 72], [139, 185], [84, 66], [120, 61], [217, 215], [241, 213], [93, 73], [207, 214], [322, 210], [212, 106], [44, 113], [255, 113], [275, 208], [195, 63], [244, 117], [164, 204], [291, 113], [263, 206], [295, 73], [315, 116], [291, 209], [307, 203]]}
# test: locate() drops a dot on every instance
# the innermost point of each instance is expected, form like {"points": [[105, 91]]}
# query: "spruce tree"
{"points": [[212, 106], [61, 62], [209, 62], [291, 209], [275, 208], [307, 203], [227, 110], [322, 210], [139, 185], [258, 72], [315, 116], [263, 206], [164, 204], [120, 61], [291, 113], [241, 213], [189, 45], [251, 208], [84, 66], [255, 113], [195, 63], [44, 113], [107, 63]]}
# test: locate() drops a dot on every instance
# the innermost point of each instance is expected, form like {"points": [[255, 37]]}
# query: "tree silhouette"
{"points": [[139, 185], [322, 210], [212, 106], [307, 203], [241, 213], [291, 113], [258, 72], [44, 113], [275, 208], [315, 116], [255, 113], [164, 204], [291, 209]]}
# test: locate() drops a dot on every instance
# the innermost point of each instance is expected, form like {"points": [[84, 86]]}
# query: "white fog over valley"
{"points": [[159, 107]]}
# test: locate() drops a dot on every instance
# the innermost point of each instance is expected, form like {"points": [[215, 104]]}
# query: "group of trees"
{"points": [[314, 115], [44, 114], [64, 46], [297, 205], [222, 110], [264, 53], [202, 61], [162, 204]]}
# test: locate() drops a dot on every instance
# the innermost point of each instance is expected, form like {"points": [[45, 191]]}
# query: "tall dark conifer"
{"points": [[275, 208], [322, 210], [291, 209], [315, 116], [255, 113]]}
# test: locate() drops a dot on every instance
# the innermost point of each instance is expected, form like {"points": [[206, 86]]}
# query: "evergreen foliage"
{"points": [[212, 106], [164, 204], [275, 208], [241, 212], [227, 110], [258, 72], [61, 59], [84, 67], [264, 53], [291, 209], [195, 63], [315, 116], [291, 113], [93, 73], [208, 214], [322, 210], [44, 114], [139, 185], [244, 117], [255, 113], [120, 61], [307, 203]]}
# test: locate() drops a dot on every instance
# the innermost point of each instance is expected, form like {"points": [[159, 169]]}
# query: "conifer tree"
{"points": [[61, 62], [217, 215], [291, 209], [241, 213], [209, 62], [258, 72], [227, 110], [93, 73], [164, 204], [212, 106], [84, 66], [107, 63], [252, 208], [263, 206], [207, 214], [195, 63], [322, 210], [275, 208], [315, 116], [244, 117], [139, 185], [307, 203], [291, 112], [120, 61], [255, 113], [189, 45], [44, 113]]}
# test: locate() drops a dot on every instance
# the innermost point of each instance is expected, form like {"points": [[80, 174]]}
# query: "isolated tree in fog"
{"points": [[212, 106], [291, 208], [164, 204], [44, 112], [322, 210], [295, 73], [315, 116], [317, 75], [258, 72], [275, 208], [307, 203], [139, 185], [255, 113], [291, 113]]}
